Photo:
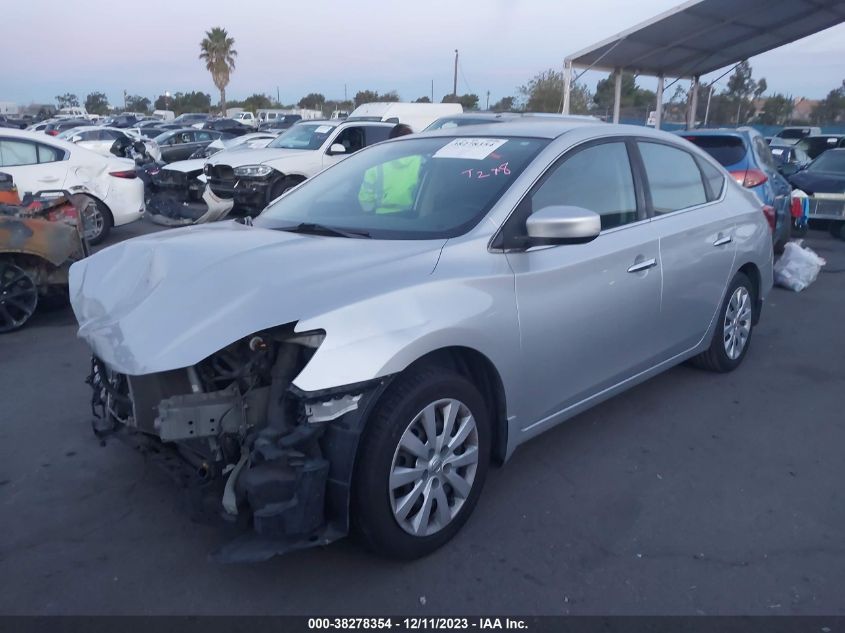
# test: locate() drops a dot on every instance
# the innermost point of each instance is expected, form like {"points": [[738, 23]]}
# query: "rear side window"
{"points": [[597, 178], [727, 150], [48, 154], [377, 133], [673, 178], [764, 152], [715, 180]]}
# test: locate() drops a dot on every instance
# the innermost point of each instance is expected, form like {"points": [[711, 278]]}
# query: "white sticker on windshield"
{"points": [[470, 148], [323, 129]]}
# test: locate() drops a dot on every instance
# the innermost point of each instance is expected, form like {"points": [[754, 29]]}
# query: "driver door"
{"points": [[588, 313]]}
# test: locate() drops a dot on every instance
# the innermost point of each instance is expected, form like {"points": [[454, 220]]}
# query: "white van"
{"points": [[73, 112], [417, 116], [245, 117]]}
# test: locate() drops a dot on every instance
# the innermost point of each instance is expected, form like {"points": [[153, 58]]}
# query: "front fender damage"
{"points": [[247, 445]]}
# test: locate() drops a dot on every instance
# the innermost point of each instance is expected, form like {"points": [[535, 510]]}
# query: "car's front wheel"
{"points": [[18, 297], [422, 463], [732, 335]]}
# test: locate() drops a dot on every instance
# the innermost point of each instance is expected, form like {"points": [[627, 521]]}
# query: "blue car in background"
{"points": [[746, 155]]}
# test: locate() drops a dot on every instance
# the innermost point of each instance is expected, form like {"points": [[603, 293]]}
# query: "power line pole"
{"points": [[488, 100], [455, 82], [432, 90]]}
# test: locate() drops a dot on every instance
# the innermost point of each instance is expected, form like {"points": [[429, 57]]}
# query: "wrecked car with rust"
{"points": [[358, 355], [40, 237]]}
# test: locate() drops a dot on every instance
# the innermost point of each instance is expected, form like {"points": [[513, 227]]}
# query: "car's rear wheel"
{"points": [[837, 229], [734, 326], [96, 218], [422, 463], [788, 230], [18, 297]]}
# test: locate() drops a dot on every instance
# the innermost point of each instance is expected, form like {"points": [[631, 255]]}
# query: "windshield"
{"points": [[303, 136], [830, 161], [416, 188]]}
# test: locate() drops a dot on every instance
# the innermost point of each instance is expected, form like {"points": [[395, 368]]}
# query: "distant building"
{"points": [[9, 107]]}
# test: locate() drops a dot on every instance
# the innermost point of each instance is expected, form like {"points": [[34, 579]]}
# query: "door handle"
{"points": [[643, 265], [723, 240], [48, 179]]}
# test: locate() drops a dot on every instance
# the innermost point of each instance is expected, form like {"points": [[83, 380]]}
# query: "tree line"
{"points": [[742, 101]]}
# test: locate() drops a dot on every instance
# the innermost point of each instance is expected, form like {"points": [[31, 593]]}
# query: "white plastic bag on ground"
{"points": [[798, 267]]}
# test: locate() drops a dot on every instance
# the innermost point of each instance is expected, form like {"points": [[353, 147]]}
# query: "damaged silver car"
{"points": [[359, 355]]}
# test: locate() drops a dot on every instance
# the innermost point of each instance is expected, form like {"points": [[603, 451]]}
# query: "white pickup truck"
{"points": [[253, 178]]}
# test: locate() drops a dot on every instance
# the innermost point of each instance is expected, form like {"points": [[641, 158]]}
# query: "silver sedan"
{"points": [[361, 353]]}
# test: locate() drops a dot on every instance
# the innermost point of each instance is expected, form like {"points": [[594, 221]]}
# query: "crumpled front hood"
{"points": [[251, 156], [168, 300]]}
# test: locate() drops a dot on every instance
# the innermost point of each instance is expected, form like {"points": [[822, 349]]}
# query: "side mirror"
{"points": [[337, 148], [76, 138], [562, 225]]}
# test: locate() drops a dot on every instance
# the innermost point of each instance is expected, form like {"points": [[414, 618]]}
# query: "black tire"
{"points": [[372, 514], [18, 297], [837, 229], [282, 186], [716, 358]]}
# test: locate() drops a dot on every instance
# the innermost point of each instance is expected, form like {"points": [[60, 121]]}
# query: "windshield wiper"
{"points": [[322, 229]]}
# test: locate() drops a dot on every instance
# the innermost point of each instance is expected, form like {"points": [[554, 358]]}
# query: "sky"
{"points": [[49, 47]]}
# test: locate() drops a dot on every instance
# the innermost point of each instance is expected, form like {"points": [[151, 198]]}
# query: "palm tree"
{"points": [[219, 57]]}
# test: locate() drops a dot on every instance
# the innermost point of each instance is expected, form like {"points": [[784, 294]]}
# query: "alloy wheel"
{"points": [[18, 297], [737, 325], [434, 467]]}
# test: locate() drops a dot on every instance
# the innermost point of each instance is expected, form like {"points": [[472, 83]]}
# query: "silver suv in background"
{"points": [[361, 353]]}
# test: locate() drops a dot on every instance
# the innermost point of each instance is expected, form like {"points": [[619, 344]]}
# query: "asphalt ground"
{"points": [[693, 493]]}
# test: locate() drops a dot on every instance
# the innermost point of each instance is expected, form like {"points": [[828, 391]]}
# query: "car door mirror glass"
{"points": [[562, 224], [337, 148]]}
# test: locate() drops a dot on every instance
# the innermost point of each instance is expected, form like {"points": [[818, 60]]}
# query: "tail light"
{"points": [[749, 177], [127, 173], [771, 216], [52, 132]]}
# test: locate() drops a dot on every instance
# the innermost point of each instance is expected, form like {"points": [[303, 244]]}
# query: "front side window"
{"points": [[414, 188], [352, 138], [830, 161], [15, 153], [597, 178], [673, 177]]}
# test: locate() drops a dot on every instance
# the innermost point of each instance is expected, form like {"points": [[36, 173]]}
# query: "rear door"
{"points": [[34, 166], [587, 312], [696, 233]]}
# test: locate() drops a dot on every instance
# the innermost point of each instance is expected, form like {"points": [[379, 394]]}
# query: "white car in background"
{"points": [[101, 139], [246, 118], [106, 188], [253, 178]]}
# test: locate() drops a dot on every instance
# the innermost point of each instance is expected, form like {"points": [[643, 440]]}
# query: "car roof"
{"points": [[538, 128]]}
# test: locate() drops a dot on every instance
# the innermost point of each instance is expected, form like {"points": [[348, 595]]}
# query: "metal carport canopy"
{"points": [[701, 36]]}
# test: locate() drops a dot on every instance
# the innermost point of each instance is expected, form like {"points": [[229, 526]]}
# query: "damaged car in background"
{"points": [[40, 237], [105, 188], [359, 354], [178, 193]]}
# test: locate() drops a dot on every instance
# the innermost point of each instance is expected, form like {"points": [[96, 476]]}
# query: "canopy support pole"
{"points": [[567, 84], [693, 103], [658, 114], [617, 94]]}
